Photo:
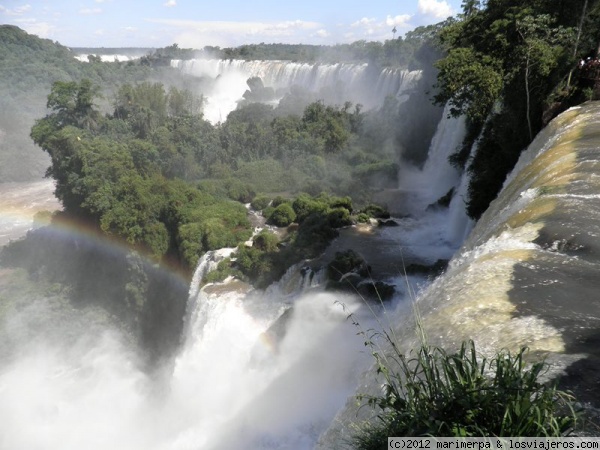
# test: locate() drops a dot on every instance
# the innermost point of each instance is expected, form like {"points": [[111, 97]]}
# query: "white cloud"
{"points": [[438, 9], [18, 11], [379, 30], [41, 29], [322, 33], [364, 22], [197, 34], [398, 21], [170, 3], [90, 11]]}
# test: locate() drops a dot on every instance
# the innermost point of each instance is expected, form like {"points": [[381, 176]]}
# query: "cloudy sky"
{"points": [[196, 23]]}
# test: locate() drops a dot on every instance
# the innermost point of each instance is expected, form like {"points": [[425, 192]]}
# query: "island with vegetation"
{"points": [[135, 161]]}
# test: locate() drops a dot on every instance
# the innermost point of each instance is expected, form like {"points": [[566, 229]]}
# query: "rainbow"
{"points": [[21, 201]]}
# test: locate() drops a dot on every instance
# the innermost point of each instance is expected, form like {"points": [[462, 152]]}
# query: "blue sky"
{"points": [[196, 23]]}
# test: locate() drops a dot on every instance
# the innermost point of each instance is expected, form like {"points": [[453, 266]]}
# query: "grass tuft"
{"points": [[434, 393]]}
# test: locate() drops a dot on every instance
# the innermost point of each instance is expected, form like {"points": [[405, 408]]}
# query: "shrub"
{"points": [[266, 241], [156, 239], [376, 211], [305, 205], [363, 218], [268, 211], [189, 240], [344, 262], [279, 200], [282, 216], [223, 270], [314, 235], [260, 202], [434, 393], [339, 217], [239, 191], [256, 265], [341, 202], [265, 175]]}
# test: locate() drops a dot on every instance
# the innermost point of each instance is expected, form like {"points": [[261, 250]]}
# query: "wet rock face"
{"points": [[349, 272], [347, 262]]}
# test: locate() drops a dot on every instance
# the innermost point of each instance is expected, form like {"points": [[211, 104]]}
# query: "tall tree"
{"points": [[540, 43]]}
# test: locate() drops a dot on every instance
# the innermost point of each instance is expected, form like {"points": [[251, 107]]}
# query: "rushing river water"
{"points": [[271, 370], [19, 202]]}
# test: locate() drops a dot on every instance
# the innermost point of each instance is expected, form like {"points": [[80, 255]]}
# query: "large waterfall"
{"points": [[334, 83], [256, 370], [528, 273], [279, 369], [270, 369]]}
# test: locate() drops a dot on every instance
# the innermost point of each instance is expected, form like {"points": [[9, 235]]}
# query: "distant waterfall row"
{"points": [[334, 83]]}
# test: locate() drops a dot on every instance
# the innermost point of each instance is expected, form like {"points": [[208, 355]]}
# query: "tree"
{"points": [[73, 103], [470, 82], [469, 7], [539, 51]]}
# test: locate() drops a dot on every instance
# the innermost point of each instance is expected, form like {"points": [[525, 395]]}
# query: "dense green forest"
{"points": [[510, 66], [135, 160], [28, 67], [405, 52]]}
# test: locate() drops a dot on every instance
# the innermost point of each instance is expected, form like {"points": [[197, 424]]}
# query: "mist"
{"points": [[102, 346], [73, 381]]}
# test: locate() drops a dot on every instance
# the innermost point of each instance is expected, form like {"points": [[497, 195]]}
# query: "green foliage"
{"points": [[393, 52], [73, 103], [329, 124], [362, 218], [305, 205], [345, 262], [257, 265], [434, 393], [339, 217], [224, 269], [471, 82], [504, 64], [266, 175], [266, 241], [28, 68], [314, 234], [282, 216], [376, 211], [240, 191], [260, 202]]}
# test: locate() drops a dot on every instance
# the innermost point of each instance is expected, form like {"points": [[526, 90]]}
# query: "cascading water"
{"points": [[280, 389], [257, 370], [527, 274], [335, 83], [437, 176]]}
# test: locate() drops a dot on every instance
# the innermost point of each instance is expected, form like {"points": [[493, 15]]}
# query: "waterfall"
{"points": [[437, 176], [256, 369], [275, 366], [278, 369], [459, 223], [249, 386], [206, 264], [334, 83], [527, 273]]}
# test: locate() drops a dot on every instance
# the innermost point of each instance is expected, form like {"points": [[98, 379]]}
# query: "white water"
{"points": [[74, 384], [107, 58], [19, 202], [334, 83], [437, 176]]}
